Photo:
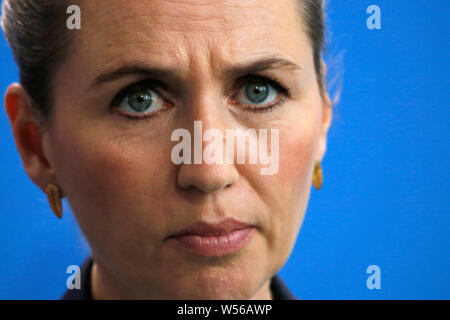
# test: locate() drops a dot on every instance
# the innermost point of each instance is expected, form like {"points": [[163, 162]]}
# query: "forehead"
{"points": [[182, 32]]}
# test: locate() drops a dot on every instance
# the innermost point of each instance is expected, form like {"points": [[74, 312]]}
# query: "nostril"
{"points": [[192, 177]]}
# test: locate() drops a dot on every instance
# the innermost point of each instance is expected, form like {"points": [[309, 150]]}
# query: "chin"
{"points": [[219, 285], [229, 293]]}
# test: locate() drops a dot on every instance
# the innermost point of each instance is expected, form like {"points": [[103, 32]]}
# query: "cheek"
{"points": [[298, 145], [289, 190], [114, 182], [296, 158]]}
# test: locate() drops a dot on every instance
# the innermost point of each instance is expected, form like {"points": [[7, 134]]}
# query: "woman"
{"points": [[101, 115]]}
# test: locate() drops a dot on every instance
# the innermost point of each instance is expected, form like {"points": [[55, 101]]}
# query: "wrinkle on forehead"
{"points": [[179, 32], [182, 16]]}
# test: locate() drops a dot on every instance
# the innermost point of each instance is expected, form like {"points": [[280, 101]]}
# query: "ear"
{"points": [[28, 136], [327, 113]]}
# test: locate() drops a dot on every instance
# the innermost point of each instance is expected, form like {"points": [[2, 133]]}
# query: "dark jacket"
{"points": [[278, 288]]}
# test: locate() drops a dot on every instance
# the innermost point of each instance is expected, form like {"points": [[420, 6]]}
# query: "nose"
{"points": [[207, 178], [201, 174]]}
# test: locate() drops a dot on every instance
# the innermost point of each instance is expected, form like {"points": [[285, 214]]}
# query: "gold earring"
{"points": [[317, 175], [54, 199]]}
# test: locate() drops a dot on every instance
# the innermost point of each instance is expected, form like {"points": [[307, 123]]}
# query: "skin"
{"points": [[117, 175]]}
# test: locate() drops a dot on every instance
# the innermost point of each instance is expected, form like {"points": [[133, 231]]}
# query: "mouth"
{"points": [[224, 238]]}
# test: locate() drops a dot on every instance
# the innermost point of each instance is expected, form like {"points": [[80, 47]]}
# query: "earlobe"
{"points": [[27, 135]]}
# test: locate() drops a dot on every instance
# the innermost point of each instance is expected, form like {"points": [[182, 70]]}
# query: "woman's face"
{"points": [[117, 173]]}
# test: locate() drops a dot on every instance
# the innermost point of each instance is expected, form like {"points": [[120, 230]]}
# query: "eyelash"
{"points": [[155, 84], [284, 92]]}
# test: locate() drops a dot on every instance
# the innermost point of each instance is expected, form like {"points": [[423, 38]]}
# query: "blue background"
{"points": [[385, 198]]}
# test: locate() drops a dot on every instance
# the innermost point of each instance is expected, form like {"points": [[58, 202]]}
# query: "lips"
{"points": [[204, 229], [220, 239]]}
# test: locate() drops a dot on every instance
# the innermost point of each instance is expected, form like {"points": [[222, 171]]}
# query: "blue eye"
{"points": [[139, 99], [142, 100], [260, 93], [257, 92]]}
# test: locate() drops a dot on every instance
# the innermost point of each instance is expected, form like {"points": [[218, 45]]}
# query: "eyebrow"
{"points": [[268, 63]]}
